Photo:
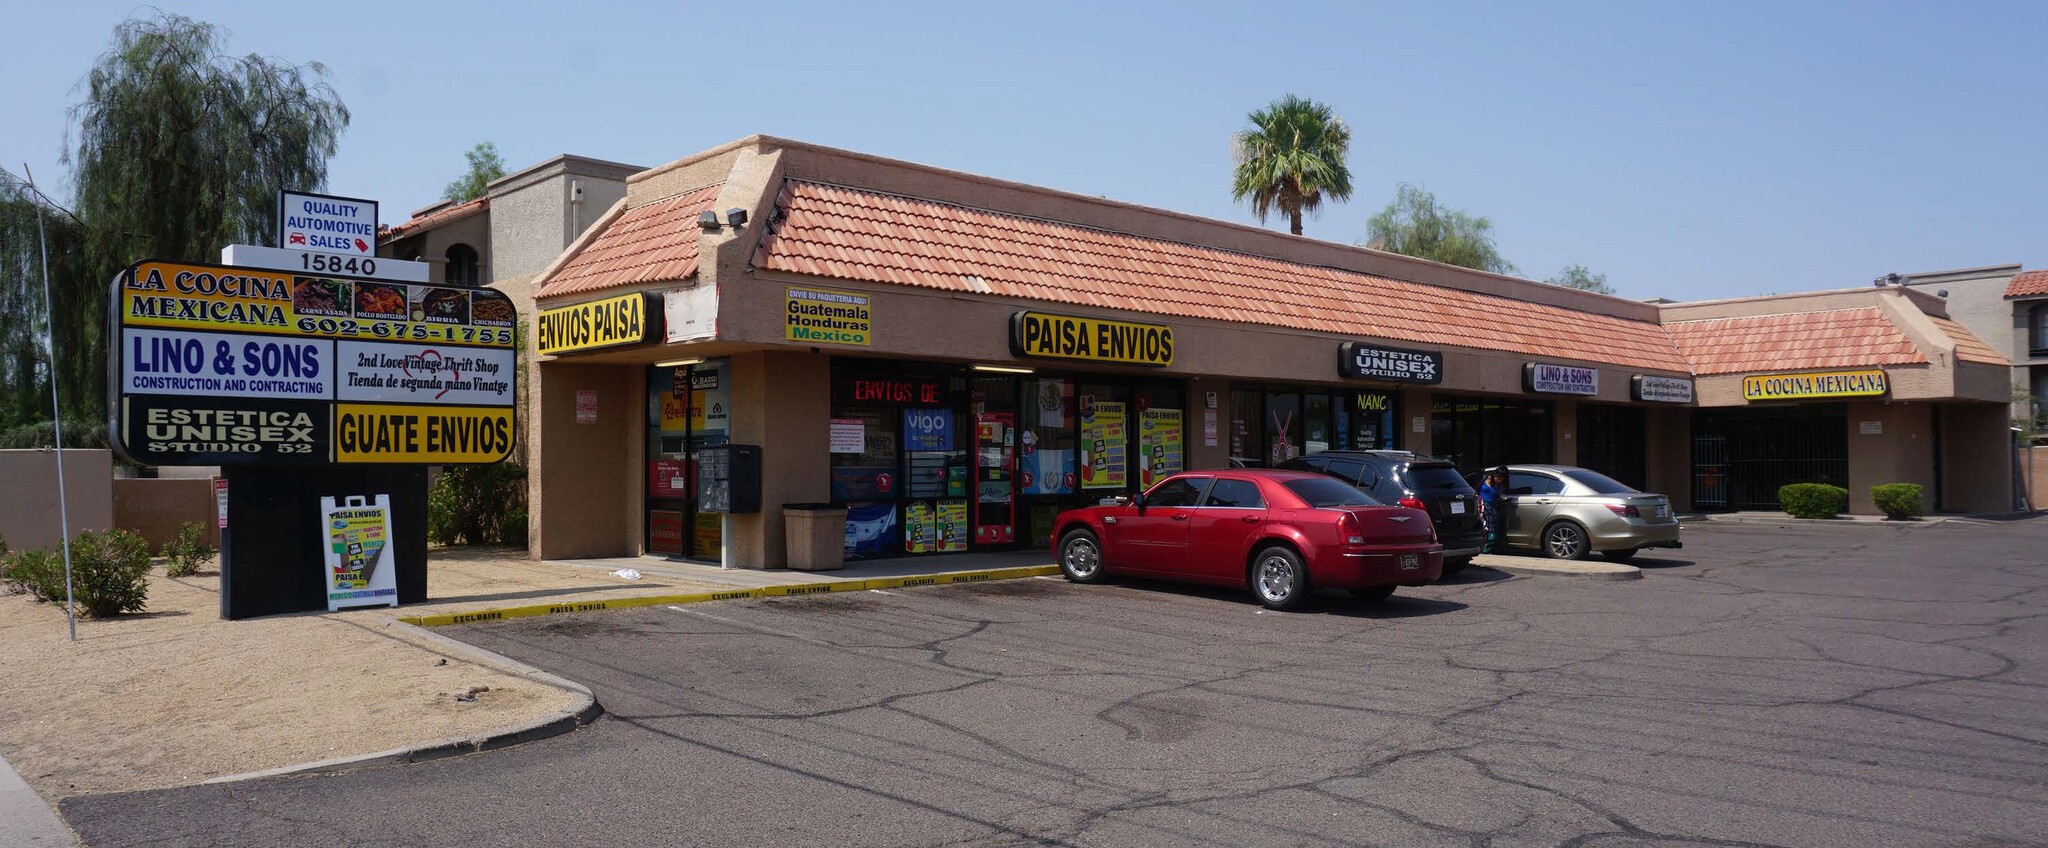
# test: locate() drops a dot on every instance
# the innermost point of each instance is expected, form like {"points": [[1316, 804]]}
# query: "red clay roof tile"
{"points": [[434, 218], [1969, 347], [652, 242], [1842, 338], [2028, 284]]}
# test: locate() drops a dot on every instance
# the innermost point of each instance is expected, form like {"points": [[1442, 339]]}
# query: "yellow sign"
{"points": [[818, 316], [1818, 384], [1094, 339], [221, 298], [611, 322], [430, 435]]}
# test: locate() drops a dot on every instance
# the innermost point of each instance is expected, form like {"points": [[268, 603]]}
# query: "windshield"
{"points": [[1427, 477], [1323, 491], [1600, 483]]}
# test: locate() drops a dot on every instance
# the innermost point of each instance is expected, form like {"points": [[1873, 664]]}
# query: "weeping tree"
{"points": [[180, 150], [24, 367]]}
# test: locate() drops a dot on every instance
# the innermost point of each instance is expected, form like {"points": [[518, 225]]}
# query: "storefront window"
{"points": [[1105, 437], [1317, 435], [1279, 424], [1247, 430], [1283, 427], [1477, 433], [688, 408]]}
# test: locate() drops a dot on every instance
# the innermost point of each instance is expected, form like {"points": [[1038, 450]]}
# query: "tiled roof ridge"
{"points": [[2028, 283], [630, 246], [1771, 315], [775, 227]]}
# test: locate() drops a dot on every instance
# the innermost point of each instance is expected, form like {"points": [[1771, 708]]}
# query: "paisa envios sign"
{"points": [[1362, 361], [1047, 336], [219, 365]]}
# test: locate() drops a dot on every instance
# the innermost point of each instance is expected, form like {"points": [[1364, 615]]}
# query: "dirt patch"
{"points": [[1026, 588], [832, 604], [179, 695]]}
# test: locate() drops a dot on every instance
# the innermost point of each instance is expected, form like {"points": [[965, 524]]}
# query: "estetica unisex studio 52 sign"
{"points": [[1361, 361], [1047, 336], [219, 365]]}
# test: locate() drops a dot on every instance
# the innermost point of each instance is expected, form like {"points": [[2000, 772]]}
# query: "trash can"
{"points": [[815, 534]]}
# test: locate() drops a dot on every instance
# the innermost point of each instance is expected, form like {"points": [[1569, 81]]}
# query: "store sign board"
{"points": [[1549, 378], [1047, 336], [928, 429], [201, 430], [627, 319], [1361, 361], [411, 373], [1870, 382], [1654, 389], [821, 316], [190, 362], [325, 222], [219, 298], [690, 315], [425, 435]]}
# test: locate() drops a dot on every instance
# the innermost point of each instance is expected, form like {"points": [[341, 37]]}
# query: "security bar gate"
{"points": [[1742, 456]]}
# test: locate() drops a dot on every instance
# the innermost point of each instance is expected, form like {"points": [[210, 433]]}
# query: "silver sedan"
{"points": [[1567, 512]]}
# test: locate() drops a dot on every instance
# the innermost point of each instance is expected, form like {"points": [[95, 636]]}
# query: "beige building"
{"points": [[954, 358]]}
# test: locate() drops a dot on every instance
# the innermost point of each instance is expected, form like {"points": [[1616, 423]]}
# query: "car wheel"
{"points": [[1453, 565], [1565, 540], [1623, 555], [1279, 579], [1376, 593], [1081, 556]]}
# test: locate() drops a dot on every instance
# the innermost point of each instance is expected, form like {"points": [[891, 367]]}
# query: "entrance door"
{"points": [[995, 471]]}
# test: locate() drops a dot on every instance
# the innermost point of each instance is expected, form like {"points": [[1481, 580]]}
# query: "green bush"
{"points": [[110, 572], [512, 530], [472, 504], [188, 552], [1900, 501], [1813, 500], [40, 574]]}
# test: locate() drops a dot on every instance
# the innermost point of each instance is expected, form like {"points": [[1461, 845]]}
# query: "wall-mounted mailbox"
{"points": [[729, 479]]}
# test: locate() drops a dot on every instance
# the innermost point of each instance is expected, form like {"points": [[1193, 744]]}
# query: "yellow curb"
{"points": [[538, 610]]}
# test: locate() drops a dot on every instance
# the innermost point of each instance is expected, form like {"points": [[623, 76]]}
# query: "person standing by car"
{"points": [[1490, 489]]}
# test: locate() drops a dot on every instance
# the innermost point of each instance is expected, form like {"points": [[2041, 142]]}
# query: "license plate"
{"points": [[1457, 507], [1410, 562], [1661, 510]]}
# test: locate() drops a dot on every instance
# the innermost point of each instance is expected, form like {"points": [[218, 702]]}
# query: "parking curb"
{"points": [[536, 610], [582, 710], [1580, 570]]}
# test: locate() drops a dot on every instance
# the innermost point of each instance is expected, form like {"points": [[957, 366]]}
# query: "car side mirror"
{"points": [[1127, 500]]}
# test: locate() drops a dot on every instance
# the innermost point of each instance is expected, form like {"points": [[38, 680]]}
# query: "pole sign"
{"points": [[1361, 361], [324, 222], [1560, 379], [216, 365], [1654, 389]]}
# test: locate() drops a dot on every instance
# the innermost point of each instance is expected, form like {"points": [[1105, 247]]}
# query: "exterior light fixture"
{"points": [[678, 363], [736, 216], [1003, 369], [707, 221]]}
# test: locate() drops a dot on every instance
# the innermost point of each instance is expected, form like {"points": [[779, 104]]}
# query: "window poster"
{"points": [[664, 532], [920, 529], [952, 525], [1159, 445], [708, 536], [710, 399], [1102, 445], [871, 530]]}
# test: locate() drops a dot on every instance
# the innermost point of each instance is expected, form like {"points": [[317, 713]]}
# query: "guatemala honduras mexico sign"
{"points": [[217, 365], [327, 223]]}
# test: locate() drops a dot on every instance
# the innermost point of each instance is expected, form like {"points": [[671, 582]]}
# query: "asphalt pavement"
{"points": [[1807, 686]]}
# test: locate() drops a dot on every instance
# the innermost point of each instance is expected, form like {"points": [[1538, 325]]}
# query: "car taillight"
{"points": [[1628, 511], [1353, 534], [1414, 503]]}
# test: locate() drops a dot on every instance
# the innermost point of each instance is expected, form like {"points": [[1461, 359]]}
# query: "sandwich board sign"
{"points": [[356, 535]]}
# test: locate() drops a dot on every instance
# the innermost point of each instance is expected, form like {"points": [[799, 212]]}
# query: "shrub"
{"points": [[1900, 501], [110, 572], [1813, 500], [471, 504], [40, 574], [512, 530], [187, 552]]}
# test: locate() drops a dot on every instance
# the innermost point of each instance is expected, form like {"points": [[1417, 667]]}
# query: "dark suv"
{"points": [[1425, 483]]}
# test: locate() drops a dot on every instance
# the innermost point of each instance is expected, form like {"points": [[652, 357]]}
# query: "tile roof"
{"points": [[434, 218], [1842, 338], [2028, 284], [1969, 347], [653, 242], [846, 233]]}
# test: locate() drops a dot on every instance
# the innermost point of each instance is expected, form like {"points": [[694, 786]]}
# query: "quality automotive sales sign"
{"points": [[218, 365], [327, 224]]}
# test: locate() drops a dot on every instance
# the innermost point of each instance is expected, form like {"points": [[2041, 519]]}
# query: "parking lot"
{"points": [[1811, 686]]}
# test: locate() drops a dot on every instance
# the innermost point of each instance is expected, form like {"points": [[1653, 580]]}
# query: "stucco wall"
{"points": [[590, 473], [783, 403], [2033, 476], [1668, 454], [28, 503], [1976, 445], [1201, 457], [1902, 453], [155, 509]]}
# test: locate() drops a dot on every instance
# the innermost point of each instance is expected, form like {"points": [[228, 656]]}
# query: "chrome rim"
{"points": [[1276, 578], [1082, 560], [1564, 541]]}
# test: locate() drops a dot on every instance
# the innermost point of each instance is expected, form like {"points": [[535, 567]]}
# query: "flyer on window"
{"points": [[1102, 446]]}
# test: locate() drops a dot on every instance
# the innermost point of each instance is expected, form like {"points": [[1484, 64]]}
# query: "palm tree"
{"points": [[1292, 158]]}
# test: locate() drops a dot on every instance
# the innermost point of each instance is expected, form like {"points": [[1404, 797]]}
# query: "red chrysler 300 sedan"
{"points": [[1283, 533]]}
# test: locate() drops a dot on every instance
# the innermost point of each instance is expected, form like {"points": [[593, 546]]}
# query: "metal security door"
{"points": [[1709, 472]]}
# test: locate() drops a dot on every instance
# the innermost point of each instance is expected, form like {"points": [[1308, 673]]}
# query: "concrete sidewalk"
{"points": [[25, 821]]}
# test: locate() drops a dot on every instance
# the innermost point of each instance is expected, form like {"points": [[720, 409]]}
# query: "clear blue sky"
{"points": [[1685, 150]]}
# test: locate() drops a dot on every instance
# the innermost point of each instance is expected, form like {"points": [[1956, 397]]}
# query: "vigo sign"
{"points": [[217, 365], [1817, 384], [1560, 379], [1361, 361], [1047, 336]]}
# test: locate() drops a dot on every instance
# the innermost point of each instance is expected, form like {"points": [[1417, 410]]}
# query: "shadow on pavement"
{"points": [[1474, 574]]}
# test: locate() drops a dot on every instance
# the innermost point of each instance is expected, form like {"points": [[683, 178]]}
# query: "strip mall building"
{"points": [[955, 358]]}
